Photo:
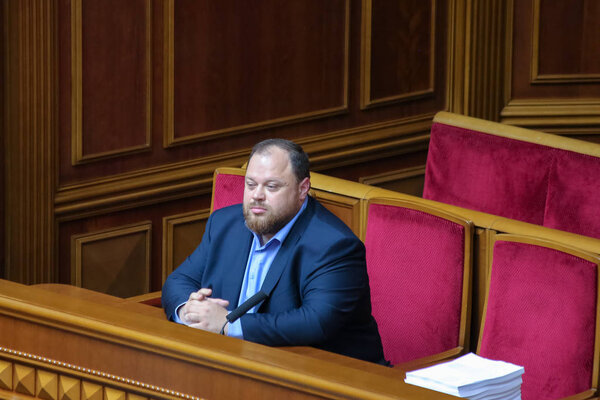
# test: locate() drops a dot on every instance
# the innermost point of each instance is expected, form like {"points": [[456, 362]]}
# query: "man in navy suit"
{"points": [[286, 244]]}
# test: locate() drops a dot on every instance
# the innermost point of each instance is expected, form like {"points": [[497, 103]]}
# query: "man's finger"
{"points": [[220, 302]]}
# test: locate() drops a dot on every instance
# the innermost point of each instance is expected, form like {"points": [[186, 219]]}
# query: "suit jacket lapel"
{"points": [[235, 265], [282, 258]]}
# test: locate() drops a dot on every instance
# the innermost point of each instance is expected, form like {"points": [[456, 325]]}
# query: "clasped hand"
{"points": [[204, 312]]}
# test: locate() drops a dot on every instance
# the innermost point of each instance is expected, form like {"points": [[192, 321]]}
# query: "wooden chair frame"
{"points": [[517, 133]]}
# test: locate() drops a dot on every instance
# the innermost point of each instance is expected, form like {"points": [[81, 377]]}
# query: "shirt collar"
{"points": [[282, 233]]}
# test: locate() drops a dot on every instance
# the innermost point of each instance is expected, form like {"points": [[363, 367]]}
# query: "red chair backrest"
{"points": [[228, 189], [515, 179], [416, 267], [487, 173], [541, 314]]}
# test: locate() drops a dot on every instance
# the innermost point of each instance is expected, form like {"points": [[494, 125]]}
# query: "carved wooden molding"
{"points": [[365, 56], [77, 156], [509, 23], [44, 378], [457, 47], [79, 241], [195, 177], [169, 138], [551, 112], [486, 38], [536, 77], [390, 176], [169, 224], [30, 124]]}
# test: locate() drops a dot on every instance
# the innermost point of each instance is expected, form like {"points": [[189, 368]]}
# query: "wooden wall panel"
{"points": [[146, 98], [157, 236], [114, 261], [553, 67], [240, 66], [568, 54], [409, 180], [232, 85], [111, 77], [486, 27], [181, 235], [30, 64], [398, 50]]}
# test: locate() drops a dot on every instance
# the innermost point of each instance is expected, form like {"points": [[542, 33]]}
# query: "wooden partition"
{"points": [[67, 343]]}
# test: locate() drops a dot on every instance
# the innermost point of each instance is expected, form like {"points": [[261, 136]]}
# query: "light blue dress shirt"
{"points": [[259, 262]]}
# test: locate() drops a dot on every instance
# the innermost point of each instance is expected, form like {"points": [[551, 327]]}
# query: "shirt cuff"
{"points": [[235, 329], [175, 315]]}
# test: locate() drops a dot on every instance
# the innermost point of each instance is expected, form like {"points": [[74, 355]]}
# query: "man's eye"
{"points": [[273, 187], [250, 185]]}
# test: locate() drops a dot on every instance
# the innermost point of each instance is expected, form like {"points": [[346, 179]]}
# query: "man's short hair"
{"points": [[298, 158]]}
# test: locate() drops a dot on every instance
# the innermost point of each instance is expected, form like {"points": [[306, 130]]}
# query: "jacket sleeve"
{"points": [[331, 293]]}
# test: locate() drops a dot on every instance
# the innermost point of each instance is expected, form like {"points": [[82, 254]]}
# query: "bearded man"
{"points": [[284, 243]]}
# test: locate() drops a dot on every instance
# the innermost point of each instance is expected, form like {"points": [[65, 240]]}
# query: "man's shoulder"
{"points": [[228, 215], [234, 209], [327, 223]]}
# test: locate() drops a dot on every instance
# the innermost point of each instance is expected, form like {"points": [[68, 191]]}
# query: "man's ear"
{"points": [[304, 188]]}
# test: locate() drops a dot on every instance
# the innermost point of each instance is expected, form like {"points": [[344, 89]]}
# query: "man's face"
{"points": [[272, 195]]}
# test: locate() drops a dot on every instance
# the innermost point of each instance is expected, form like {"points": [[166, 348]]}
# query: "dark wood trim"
{"points": [[31, 104], [190, 178]]}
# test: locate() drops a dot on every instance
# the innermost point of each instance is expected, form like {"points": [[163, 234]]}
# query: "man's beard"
{"points": [[268, 223]]}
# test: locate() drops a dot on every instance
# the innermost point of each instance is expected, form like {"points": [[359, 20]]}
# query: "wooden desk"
{"points": [[80, 344]]}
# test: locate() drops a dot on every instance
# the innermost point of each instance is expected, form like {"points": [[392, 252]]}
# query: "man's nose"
{"points": [[259, 193]]}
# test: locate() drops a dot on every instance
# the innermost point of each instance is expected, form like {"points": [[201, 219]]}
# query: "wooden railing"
{"points": [[62, 342]]}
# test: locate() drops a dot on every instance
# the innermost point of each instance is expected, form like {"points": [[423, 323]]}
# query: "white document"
{"points": [[470, 376]]}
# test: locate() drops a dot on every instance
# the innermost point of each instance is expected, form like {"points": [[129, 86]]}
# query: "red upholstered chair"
{"points": [[484, 172], [542, 312], [513, 172], [419, 266], [228, 187]]}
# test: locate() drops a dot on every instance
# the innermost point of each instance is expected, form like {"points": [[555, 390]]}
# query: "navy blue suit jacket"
{"points": [[317, 284]]}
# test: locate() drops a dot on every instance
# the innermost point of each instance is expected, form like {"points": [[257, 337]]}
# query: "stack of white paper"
{"points": [[472, 377]]}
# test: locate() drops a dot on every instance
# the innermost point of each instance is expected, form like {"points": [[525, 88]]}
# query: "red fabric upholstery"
{"points": [[415, 263], [541, 313], [487, 173], [228, 190], [574, 194]]}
